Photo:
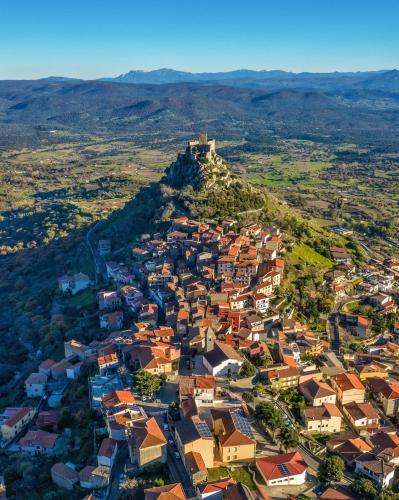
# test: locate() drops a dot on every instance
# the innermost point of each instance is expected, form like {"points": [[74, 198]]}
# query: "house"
{"points": [[282, 377], [112, 321], [317, 392], [234, 435], [107, 452], [287, 469], [147, 443], [348, 388], [195, 467], [201, 388], [14, 421], [107, 363], [93, 476], [109, 301], [361, 415], [323, 418], [193, 435], [375, 468], [85, 476], [45, 366], [172, 491], [337, 493], [386, 393], [73, 370], [38, 443], [375, 369], [223, 360], [73, 284], [100, 385], [35, 385], [261, 302], [48, 420], [75, 348], [217, 490], [348, 447], [120, 422], [117, 399], [64, 476]]}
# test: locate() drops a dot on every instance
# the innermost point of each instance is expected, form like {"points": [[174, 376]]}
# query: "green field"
{"points": [[308, 255]]}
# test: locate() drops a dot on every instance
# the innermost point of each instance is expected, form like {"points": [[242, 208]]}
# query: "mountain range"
{"points": [[363, 107]]}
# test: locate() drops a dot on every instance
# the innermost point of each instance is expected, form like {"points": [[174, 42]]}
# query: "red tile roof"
{"points": [[269, 466]]}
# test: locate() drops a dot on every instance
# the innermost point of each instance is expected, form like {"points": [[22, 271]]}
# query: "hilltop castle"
{"points": [[204, 148]]}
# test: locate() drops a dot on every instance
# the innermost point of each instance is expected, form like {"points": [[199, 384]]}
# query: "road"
{"points": [[99, 261]]}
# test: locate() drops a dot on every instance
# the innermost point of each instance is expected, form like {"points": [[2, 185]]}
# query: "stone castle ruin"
{"points": [[203, 148]]}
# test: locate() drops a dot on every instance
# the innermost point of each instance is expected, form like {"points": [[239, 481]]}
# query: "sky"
{"points": [[93, 39]]}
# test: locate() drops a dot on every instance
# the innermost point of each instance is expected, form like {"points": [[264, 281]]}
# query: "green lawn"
{"points": [[216, 473], [242, 475], [310, 256]]}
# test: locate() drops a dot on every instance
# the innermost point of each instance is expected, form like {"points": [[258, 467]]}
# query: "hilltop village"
{"points": [[205, 386]]}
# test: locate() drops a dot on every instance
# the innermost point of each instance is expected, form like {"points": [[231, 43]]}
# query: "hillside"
{"points": [[32, 111]]}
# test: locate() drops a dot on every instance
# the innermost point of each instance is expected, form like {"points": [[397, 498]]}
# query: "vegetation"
{"points": [[146, 383], [270, 416], [331, 469], [289, 438], [364, 488], [247, 370]]}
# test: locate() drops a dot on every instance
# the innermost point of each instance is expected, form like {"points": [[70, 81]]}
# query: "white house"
{"points": [[35, 385], [107, 452], [287, 469], [375, 468], [223, 360]]}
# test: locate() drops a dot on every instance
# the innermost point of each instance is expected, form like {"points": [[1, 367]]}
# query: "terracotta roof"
{"points": [[194, 462], [361, 410], [46, 364], [168, 492], [215, 486], [147, 434], [64, 471], [314, 389], [323, 412], [39, 438], [115, 398], [269, 466], [337, 493], [107, 448], [348, 381], [17, 415], [36, 378], [232, 436]]}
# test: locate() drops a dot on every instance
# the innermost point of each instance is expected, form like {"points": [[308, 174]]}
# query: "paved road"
{"points": [[118, 468]]}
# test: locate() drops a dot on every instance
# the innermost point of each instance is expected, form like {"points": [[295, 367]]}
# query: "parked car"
{"points": [[177, 455]]}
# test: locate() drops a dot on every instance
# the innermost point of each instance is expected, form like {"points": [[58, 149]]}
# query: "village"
{"points": [[214, 383]]}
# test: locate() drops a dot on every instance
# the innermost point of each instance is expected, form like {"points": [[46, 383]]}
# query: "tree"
{"points": [[247, 397], [388, 494], [364, 488], [289, 438], [331, 469], [259, 389], [146, 383], [270, 416], [247, 370]]}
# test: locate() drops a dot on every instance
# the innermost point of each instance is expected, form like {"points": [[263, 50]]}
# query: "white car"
{"points": [[165, 427], [177, 455]]}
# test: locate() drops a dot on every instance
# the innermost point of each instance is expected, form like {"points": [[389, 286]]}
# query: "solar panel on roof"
{"points": [[283, 469], [203, 429], [242, 424]]}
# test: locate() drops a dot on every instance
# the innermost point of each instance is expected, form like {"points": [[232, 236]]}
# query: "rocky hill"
{"points": [[200, 167]]}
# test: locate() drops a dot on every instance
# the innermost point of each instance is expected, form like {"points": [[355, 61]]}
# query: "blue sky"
{"points": [[90, 39]]}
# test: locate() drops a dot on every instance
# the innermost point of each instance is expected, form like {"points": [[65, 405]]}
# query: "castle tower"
{"points": [[209, 339]]}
